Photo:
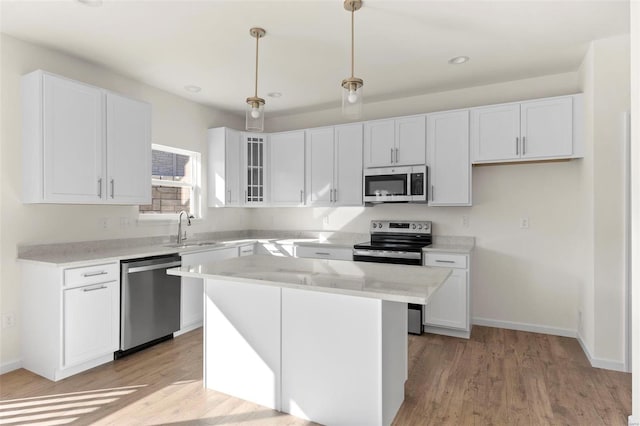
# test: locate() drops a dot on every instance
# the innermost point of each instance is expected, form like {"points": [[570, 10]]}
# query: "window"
{"points": [[175, 183]]}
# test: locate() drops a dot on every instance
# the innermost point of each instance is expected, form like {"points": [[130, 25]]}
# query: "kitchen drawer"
{"points": [[102, 273], [445, 260], [333, 253]]}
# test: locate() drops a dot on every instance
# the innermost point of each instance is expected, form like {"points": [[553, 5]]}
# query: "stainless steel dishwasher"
{"points": [[149, 302]]}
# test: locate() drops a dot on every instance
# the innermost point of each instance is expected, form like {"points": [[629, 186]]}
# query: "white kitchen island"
{"points": [[320, 339]]}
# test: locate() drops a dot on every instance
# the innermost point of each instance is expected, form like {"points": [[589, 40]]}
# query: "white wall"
{"points": [[605, 82], [572, 256], [176, 122]]}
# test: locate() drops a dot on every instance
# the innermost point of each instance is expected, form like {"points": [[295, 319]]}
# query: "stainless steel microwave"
{"points": [[395, 185]]}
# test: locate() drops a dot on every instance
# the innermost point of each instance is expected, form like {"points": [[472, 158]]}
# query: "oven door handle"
{"points": [[388, 254], [154, 267]]}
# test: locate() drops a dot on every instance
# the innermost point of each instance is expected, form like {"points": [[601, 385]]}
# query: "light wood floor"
{"points": [[498, 377]]}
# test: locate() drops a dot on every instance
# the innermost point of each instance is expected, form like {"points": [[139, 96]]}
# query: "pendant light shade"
{"points": [[352, 86], [255, 105]]}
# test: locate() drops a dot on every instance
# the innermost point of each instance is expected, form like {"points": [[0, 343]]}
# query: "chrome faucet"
{"points": [[182, 237]]}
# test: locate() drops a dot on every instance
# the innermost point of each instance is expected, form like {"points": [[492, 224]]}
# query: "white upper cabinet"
{"points": [[394, 142], [286, 168], [319, 170], [224, 162], [547, 128], [82, 144], [334, 166], [348, 165], [253, 168], [128, 153], [535, 130], [448, 158]]}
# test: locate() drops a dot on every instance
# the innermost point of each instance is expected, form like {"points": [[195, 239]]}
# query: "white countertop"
{"points": [[396, 283]]}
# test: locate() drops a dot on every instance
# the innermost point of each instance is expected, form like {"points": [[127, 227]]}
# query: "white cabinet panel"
{"points": [[495, 132], [333, 253], [76, 150], [448, 311], [448, 306], [128, 150], [242, 344], [73, 141], [379, 143], [319, 165], [541, 129], [410, 141], [394, 142], [348, 165], [334, 166], [253, 173], [91, 319], [191, 296], [547, 129], [286, 168], [223, 167], [448, 159]]}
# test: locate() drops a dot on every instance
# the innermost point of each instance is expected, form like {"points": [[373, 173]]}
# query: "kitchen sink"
{"points": [[192, 244]]}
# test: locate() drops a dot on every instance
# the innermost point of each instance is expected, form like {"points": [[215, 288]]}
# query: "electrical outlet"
{"points": [[465, 221], [125, 222], [104, 222], [8, 320], [524, 223], [325, 219]]}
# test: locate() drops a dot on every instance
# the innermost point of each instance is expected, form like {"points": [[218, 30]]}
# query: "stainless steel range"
{"points": [[399, 242]]}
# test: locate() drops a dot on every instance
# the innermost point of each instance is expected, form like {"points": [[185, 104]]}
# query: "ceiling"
{"points": [[402, 47]]}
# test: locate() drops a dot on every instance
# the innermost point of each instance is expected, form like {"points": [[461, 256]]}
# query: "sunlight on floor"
{"points": [[59, 409]]}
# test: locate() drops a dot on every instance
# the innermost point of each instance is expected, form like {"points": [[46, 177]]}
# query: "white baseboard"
{"points": [[633, 421], [10, 366], [606, 364], [187, 329], [521, 326], [446, 332]]}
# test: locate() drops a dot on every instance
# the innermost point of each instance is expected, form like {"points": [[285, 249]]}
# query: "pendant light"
{"points": [[352, 86], [255, 105]]}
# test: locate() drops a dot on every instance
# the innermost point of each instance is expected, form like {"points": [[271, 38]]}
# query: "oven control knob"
{"points": [[414, 226], [380, 225], [419, 226], [374, 226]]}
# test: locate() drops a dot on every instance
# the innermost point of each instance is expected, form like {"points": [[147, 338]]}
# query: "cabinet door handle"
{"points": [[331, 195], [396, 155], [392, 155], [433, 193], [94, 274], [229, 196], [524, 145], [335, 195], [99, 187], [94, 288], [301, 196], [112, 188], [322, 253], [445, 261], [517, 146]]}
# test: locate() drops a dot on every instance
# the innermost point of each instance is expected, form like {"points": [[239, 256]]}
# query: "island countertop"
{"points": [[395, 283]]}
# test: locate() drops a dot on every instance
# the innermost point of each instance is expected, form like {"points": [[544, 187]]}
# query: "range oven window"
{"points": [[386, 185]]}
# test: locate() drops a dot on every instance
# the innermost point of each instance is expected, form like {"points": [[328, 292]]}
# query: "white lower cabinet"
{"points": [[191, 297], [71, 317], [319, 252], [448, 312], [91, 318]]}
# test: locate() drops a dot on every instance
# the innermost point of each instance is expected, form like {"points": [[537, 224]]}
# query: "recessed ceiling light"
{"points": [[92, 3], [193, 89], [274, 94], [458, 60]]}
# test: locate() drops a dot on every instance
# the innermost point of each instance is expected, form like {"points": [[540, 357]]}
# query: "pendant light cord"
{"points": [[257, 38], [352, 40]]}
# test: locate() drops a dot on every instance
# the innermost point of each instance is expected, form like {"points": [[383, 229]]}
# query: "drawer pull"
{"points": [[94, 288], [246, 251], [94, 274], [323, 253], [445, 261]]}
